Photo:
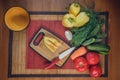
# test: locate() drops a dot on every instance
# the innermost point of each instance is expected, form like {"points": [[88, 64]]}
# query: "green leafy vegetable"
{"points": [[80, 36], [94, 31]]}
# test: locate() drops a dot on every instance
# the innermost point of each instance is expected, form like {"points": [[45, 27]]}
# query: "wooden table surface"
{"points": [[112, 6]]}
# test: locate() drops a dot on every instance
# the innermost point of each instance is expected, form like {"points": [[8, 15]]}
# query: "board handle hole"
{"points": [[38, 38]]}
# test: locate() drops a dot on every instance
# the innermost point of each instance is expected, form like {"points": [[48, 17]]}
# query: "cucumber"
{"points": [[104, 53], [89, 41], [98, 47]]}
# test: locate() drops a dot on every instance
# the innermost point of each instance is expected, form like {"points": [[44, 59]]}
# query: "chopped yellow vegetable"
{"points": [[51, 43]]}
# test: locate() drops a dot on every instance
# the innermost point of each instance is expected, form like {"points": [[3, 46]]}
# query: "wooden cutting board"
{"points": [[37, 44]]}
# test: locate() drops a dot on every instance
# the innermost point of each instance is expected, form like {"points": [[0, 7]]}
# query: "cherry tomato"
{"points": [[81, 64], [95, 71], [93, 58]]}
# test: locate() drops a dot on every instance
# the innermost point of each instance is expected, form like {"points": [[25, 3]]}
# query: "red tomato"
{"points": [[93, 58], [95, 71], [81, 64]]}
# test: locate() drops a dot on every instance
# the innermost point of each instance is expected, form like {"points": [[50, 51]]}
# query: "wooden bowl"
{"points": [[17, 18]]}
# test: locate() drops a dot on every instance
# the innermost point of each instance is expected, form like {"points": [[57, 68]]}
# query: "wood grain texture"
{"points": [[112, 6]]}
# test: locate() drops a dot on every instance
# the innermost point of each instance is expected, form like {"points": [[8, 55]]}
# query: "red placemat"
{"points": [[35, 61]]}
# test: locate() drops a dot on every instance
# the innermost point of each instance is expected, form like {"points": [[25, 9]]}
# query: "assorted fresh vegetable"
{"points": [[75, 17], [88, 36], [91, 30]]}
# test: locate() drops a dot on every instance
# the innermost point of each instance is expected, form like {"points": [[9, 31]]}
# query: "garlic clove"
{"points": [[68, 35]]}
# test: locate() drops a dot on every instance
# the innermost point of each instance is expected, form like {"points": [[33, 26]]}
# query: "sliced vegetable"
{"points": [[79, 52], [98, 47], [51, 43], [89, 41], [74, 9]]}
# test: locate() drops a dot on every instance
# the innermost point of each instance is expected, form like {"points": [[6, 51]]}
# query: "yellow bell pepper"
{"points": [[74, 9], [81, 19], [68, 20]]}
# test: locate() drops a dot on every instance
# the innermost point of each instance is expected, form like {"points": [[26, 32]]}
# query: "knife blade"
{"points": [[60, 57]]}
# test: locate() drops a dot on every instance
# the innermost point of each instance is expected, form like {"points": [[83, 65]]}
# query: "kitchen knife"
{"points": [[60, 57]]}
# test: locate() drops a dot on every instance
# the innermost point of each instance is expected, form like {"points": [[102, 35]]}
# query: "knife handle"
{"points": [[53, 63]]}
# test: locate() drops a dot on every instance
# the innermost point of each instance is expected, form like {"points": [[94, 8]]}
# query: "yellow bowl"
{"points": [[17, 18]]}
